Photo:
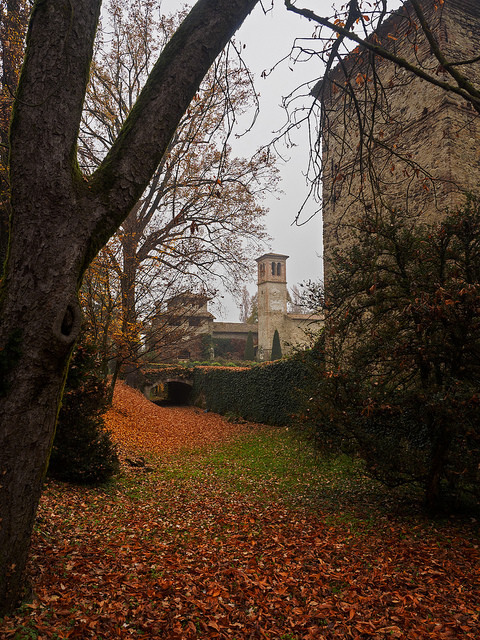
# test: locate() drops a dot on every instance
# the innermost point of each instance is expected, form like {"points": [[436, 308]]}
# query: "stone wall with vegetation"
{"points": [[416, 152], [265, 393]]}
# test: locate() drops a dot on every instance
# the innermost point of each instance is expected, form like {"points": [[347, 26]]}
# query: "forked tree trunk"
{"points": [[60, 221], [40, 314]]}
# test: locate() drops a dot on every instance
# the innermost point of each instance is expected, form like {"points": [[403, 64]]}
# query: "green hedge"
{"points": [[266, 393]]}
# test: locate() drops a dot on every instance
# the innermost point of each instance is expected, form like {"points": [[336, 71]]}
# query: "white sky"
{"points": [[268, 39]]}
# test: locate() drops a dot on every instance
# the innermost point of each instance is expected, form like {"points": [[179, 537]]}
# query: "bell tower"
{"points": [[272, 300]]}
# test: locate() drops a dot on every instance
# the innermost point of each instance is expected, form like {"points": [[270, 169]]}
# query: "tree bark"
{"points": [[60, 220], [441, 443], [128, 282]]}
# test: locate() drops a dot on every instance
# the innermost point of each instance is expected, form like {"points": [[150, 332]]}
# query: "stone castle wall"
{"points": [[419, 150]]}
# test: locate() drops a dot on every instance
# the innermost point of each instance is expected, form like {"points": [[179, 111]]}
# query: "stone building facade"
{"points": [[177, 331], [292, 328], [393, 143], [198, 332]]}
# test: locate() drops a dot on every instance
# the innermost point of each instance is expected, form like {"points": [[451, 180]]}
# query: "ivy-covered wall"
{"points": [[266, 393]]}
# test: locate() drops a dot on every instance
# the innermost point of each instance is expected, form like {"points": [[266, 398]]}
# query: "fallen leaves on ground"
{"points": [[180, 553], [143, 427]]}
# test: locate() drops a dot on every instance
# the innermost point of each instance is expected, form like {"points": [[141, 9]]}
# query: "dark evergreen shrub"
{"points": [[399, 384], [403, 437], [83, 451], [276, 347], [249, 353]]}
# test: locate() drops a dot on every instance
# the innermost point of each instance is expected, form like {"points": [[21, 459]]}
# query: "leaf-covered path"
{"points": [[140, 426], [242, 539]]}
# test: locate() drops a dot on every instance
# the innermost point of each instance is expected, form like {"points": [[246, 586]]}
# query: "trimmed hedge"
{"points": [[266, 393]]}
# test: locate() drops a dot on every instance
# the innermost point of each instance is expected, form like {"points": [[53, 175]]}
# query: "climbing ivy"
{"points": [[265, 393]]}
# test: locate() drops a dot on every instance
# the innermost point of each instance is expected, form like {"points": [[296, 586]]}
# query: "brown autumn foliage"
{"points": [[200, 220], [169, 555], [13, 25]]}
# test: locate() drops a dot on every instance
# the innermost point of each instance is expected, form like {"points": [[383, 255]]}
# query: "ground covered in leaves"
{"points": [[237, 531]]}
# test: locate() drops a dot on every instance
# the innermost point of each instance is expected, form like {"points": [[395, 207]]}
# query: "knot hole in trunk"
{"points": [[68, 321], [68, 324]]}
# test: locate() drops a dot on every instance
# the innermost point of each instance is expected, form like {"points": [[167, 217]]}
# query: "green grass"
{"points": [[277, 464], [273, 457]]}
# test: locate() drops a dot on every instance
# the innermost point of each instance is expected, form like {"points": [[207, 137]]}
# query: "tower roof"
{"points": [[271, 256]]}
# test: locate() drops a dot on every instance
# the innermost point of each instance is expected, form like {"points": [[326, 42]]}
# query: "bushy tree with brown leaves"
{"points": [[200, 218]]}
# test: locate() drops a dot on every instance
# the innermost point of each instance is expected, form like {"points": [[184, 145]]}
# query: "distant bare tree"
{"points": [[248, 307], [296, 300], [245, 305]]}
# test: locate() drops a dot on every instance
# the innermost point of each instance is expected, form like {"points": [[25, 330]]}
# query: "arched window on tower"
{"points": [[279, 268], [273, 268]]}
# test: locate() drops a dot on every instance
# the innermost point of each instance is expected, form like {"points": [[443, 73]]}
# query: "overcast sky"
{"points": [[268, 38]]}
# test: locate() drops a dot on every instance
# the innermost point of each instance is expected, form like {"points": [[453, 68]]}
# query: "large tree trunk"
{"points": [[60, 220], [40, 314], [39, 329]]}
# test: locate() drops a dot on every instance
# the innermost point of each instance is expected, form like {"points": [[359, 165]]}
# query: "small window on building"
{"points": [[279, 268], [184, 355], [273, 268], [194, 322]]}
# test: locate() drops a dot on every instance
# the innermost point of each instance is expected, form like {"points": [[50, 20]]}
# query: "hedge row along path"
{"points": [[198, 548]]}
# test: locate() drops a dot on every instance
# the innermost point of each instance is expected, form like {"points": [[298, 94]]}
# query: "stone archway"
{"points": [[169, 390], [178, 392]]}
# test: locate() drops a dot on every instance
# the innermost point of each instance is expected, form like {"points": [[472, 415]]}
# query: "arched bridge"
{"points": [[171, 385]]}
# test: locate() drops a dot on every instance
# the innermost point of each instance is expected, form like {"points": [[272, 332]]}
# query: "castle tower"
{"points": [[272, 300]]}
